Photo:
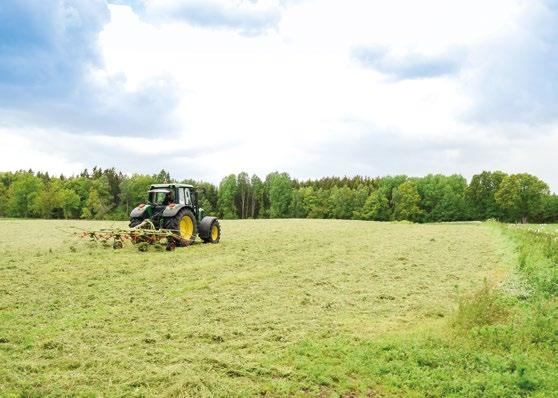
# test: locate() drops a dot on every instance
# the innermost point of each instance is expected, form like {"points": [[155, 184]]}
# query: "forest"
{"points": [[110, 194]]}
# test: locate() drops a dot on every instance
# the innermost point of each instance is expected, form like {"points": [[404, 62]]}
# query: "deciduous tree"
{"points": [[257, 200], [376, 207], [521, 196], [481, 195], [243, 193], [279, 188], [406, 200], [227, 194], [22, 195]]}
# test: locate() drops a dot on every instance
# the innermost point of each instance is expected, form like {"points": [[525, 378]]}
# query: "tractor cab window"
{"points": [[161, 197], [188, 197], [181, 196]]}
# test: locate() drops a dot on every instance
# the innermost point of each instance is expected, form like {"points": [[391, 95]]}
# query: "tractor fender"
{"points": [[171, 210], [138, 211]]}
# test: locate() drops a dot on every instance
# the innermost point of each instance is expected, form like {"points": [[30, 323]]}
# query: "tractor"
{"points": [[174, 207]]}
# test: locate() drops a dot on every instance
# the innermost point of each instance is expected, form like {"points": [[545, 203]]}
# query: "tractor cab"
{"points": [[177, 194]]}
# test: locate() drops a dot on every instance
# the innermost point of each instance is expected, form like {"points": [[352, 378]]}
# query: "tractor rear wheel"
{"points": [[210, 230], [184, 225]]}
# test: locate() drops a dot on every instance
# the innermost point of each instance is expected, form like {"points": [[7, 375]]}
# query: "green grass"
{"points": [[278, 308]]}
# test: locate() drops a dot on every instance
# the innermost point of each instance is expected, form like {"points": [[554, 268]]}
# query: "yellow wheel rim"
{"points": [[186, 227], [214, 232]]}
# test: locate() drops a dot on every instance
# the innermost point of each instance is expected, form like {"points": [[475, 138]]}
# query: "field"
{"points": [[278, 308]]}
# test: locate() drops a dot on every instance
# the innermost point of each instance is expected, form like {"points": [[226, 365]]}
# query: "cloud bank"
{"points": [[312, 87]]}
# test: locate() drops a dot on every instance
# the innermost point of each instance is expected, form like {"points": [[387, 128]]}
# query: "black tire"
{"points": [[173, 223], [134, 222], [210, 230]]}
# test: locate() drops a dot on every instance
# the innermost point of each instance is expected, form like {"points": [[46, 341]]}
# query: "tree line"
{"points": [[110, 194]]}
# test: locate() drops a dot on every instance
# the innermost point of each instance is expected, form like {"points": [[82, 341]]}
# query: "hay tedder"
{"points": [[171, 216]]}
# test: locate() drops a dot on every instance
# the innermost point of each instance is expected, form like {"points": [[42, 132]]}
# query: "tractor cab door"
{"points": [[181, 198], [188, 196], [184, 196]]}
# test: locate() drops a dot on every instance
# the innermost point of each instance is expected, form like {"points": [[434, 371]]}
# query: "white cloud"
{"points": [[24, 152], [514, 77], [52, 73], [408, 65], [247, 16]]}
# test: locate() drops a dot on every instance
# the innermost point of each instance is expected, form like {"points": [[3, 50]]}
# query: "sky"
{"points": [[311, 87]]}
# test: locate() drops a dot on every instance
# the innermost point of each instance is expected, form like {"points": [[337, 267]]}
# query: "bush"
{"points": [[485, 307]]}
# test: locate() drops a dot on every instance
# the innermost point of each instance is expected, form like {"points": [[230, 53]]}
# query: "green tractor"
{"points": [[174, 207]]}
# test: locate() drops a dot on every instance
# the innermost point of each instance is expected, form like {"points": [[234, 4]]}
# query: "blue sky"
{"points": [[312, 87]]}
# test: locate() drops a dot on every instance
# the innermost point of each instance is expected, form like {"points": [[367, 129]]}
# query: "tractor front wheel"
{"points": [[134, 222], [184, 225], [210, 230]]}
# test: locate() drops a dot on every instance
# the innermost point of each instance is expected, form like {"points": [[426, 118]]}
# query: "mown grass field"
{"points": [[278, 308]]}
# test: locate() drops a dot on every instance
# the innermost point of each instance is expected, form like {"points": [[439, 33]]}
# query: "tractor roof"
{"points": [[171, 186], [158, 190]]}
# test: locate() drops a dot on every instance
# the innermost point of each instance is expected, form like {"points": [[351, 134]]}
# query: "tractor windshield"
{"points": [[161, 197]]}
